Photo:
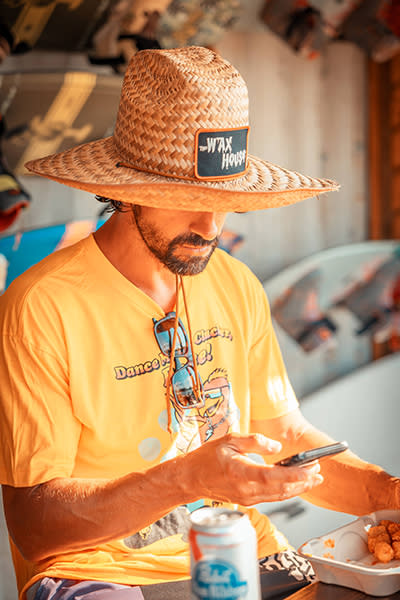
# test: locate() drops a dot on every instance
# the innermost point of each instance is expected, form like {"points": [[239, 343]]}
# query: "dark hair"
{"points": [[113, 205]]}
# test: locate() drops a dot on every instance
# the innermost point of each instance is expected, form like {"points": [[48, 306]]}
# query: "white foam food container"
{"points": [[341, 557]]}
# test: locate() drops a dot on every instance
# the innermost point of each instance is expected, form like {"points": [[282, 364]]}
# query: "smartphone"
{"points": [[303, 458]]}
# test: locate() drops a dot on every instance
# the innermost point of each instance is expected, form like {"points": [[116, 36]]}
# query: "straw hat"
{"points": [[180, 141]]}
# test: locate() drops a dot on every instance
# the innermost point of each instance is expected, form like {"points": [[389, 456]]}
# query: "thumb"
{"points": [[267, 445], [256, 443]]}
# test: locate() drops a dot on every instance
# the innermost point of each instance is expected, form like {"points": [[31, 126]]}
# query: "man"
{"points": [[107, 441]]}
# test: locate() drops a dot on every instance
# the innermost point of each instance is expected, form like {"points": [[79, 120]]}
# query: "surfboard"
{"points": [[23, 249], [322, 307]]}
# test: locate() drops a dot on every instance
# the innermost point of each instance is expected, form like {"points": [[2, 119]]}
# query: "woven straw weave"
{"points": [[167, 95], [163, 105]]}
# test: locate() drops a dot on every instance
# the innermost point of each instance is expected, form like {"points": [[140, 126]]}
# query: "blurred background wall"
{"points": [[307, 115]]}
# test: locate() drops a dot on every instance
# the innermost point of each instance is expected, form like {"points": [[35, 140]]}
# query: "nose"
{"points": [[207, 224]]}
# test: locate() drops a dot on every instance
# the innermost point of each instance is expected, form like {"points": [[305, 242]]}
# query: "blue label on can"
{"points": [[218, 580]]}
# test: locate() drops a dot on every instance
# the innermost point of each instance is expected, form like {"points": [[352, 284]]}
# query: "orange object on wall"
{"points": [[384, 143]]}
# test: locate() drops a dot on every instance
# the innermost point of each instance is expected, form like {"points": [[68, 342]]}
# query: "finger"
{"points": [[273, 479], [312, 467], [289, 490], [300, 473], [286, 490], [255, 442], [301, 486]]}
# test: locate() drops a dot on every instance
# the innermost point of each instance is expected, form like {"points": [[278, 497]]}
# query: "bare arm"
{"points": [[72, 514], [350, 484]]}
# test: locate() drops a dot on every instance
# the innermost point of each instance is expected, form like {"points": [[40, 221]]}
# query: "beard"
{"points": [[167, 251]]}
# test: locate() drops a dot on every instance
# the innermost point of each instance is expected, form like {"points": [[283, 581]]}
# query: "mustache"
{"points": [[193, 240]]}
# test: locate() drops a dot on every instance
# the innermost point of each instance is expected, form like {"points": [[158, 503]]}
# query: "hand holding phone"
{"points": [[303, 458]]}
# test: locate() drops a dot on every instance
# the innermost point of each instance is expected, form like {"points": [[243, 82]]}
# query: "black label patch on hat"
{"points": [[220, 153]]}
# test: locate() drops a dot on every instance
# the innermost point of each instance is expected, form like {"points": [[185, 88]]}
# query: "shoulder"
{"points": [[229, 286], [35, 290], [227, 268], [234, 283], [222, 260]]}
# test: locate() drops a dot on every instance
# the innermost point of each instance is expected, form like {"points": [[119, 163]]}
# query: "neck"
{"points": [[122, 245]]}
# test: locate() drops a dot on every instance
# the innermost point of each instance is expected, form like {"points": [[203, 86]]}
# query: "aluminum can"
{"points": [[223, 556]]}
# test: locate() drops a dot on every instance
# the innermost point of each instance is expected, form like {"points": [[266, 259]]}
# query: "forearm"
{"points": [[73, 514], [350, 484], [354, 486], [65, 515]]}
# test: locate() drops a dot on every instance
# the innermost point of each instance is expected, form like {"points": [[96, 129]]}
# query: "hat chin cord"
{"points": [[179, 284]]}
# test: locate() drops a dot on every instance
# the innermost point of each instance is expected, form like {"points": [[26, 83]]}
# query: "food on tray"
{"points": [[347, 562], [383, 552], [384, 540], [396, 549], [373, 541]]}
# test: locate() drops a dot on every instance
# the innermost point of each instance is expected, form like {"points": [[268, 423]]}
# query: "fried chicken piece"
{"points": [[387, 522], [376, 530], [383, 552], [395, 535], [384, 540], [374, 540], [396, 549]]}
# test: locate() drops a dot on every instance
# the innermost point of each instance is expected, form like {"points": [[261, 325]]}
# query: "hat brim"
{"points": [[92, 167]]}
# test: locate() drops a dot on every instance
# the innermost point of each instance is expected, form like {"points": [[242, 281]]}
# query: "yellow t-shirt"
{"points": [[83, 390]]}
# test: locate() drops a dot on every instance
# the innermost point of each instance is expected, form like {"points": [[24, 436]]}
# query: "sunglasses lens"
{"points": [[184, 381], [184, 386], [164, 331]]}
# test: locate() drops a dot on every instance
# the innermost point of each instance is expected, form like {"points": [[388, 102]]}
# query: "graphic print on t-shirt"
{"points": [[192, 426], [219, 415]]}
